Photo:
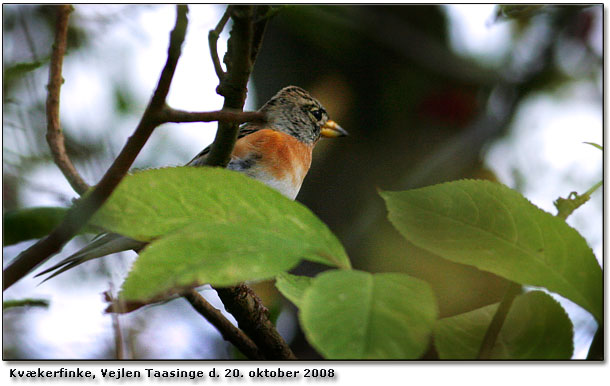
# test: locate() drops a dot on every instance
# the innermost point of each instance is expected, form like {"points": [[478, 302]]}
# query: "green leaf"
{"points": [[358, 315], [156, 202], [536, 327], [33, 223], [19, 69], [6, 304], [211, 225], [595, 145], [220, 255], [496, 229], [293, 286], [30, 223]]}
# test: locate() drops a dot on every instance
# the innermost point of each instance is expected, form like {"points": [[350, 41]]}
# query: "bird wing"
{"points": [[102, 245], [200, 158]]}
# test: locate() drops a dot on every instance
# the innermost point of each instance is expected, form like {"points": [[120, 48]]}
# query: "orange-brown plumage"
{"points": [[278, 156]]}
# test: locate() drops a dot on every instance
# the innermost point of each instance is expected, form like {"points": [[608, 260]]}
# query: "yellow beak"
{"points": [[332, 130]]}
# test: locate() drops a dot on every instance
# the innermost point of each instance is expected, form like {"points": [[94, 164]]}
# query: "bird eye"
{"points": [[317, 114]]}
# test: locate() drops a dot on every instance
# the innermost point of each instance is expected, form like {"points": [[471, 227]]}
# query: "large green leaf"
{"points": [[154, 203], [496, 229], [536, 327], [293, 286], [358, 315], [210, 225], [220, 255]]}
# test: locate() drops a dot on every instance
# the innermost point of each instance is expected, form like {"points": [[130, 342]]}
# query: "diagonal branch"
{"points": [[223, 325], [253, 318], [55, 137], [84, 209]]}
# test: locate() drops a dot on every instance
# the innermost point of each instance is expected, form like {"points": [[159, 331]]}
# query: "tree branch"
{"points": [[223, 325], [233, 84], [253, 318], [213, 43], [178, 116], [84, 209], [55, 137], [261, 16]]}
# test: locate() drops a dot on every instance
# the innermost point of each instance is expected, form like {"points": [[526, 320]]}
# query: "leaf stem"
{"points": [[491, 335], [593, 188], [565, 206]]}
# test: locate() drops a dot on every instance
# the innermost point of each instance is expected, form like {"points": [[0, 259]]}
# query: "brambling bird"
{"points": [[277, 153]]}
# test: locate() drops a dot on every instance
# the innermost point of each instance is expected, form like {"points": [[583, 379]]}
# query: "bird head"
{"points": [[294, 111]]}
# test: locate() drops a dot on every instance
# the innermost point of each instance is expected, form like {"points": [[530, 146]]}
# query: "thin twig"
{"points": [[116, 326], [233, 86], [213, 43], [223, 325], [84, 209], [178, 116], [55, 137]]}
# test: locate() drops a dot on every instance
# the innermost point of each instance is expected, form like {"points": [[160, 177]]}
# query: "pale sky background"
{"points": [[549, 132]]}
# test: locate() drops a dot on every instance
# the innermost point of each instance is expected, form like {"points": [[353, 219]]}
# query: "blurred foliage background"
{"points": [[419, 110]]}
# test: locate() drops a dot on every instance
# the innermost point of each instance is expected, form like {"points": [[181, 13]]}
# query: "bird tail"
{"points": [[103, 245]]}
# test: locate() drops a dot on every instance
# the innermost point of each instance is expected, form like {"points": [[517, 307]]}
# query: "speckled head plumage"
{"points": [[294, 111]]}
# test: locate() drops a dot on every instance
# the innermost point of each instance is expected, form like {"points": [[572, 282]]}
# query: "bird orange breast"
{"points": [[280, 155]]}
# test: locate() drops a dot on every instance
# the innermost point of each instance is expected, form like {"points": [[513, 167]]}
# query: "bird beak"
{"points": [[332, 130]]}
